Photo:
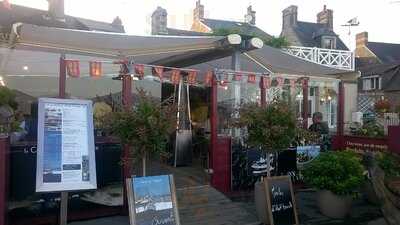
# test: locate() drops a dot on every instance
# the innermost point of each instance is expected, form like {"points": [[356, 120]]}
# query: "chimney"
{"points": [[250, 16], [117, 22], [159, 21], [361, 39], [56, 9], [198, 12], [289, 16], [326, 17]]}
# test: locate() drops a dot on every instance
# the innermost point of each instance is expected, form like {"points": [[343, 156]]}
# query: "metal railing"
{"points": [[338, 59]]}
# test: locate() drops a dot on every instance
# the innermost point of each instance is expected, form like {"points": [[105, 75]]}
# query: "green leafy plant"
{"points": [[9, 119], [271, 128], [339, 172], [371, 129], [146, 127], [389, 164]]}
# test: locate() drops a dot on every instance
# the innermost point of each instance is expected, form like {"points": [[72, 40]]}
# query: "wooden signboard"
{"points": [[152, 201], [281, 203]]}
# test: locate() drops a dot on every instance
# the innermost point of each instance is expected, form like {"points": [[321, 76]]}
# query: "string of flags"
{"points": [[174, 75]]}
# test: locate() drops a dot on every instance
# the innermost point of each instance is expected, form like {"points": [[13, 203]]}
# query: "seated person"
{"points": [[318, 125]]}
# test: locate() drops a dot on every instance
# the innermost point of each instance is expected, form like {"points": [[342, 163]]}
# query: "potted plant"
{"points": [[100, 112], [271, 129], [337, 176], [9, 119], [382, 106], [145, 127]]}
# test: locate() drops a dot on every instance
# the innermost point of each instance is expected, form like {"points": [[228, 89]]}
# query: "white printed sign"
{"points": [[65, 157]]}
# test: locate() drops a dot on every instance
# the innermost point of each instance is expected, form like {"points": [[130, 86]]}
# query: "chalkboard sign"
{"points": [[152, 201], [287, 163], [281, 204]]}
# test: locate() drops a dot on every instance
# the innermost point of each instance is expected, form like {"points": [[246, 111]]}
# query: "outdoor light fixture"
{"points": [[256, 43], [26, 68], [234, 39], [2, 82]]}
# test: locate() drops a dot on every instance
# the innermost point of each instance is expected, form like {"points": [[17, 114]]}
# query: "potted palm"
{"points": [[271, 129], [337, 176], [145, 127]]}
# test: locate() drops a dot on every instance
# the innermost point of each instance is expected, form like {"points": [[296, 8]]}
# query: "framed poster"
{"points": [[152, 200], [281, 202], [65, 150]]}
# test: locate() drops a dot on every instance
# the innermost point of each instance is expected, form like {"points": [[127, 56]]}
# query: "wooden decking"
{"points": [[198, 205]]}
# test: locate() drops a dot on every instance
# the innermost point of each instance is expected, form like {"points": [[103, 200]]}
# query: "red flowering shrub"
{"points": [[382, 106]]}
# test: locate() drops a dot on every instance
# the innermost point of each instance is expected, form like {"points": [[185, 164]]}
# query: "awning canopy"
{"points": [[162, 50]]}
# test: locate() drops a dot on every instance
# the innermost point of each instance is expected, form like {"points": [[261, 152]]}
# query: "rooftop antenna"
{"points": [[351, 23]]}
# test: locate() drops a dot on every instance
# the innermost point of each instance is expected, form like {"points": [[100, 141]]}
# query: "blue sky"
{"points": [[378, 17]]}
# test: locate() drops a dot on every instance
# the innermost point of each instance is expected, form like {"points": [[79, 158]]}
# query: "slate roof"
{"points": [[40, 17], [306, 34], [389, 72], [178, 32], [386, 52], [245, 28]]}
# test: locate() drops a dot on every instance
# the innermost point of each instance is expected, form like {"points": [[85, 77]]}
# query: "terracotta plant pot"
{"points": [[333, 206], [260, 199]]}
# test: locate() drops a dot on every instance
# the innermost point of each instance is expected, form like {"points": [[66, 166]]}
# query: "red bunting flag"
{"points": [[265, 82], [280, 81], [251, 78], [176, 76], [192, 77], [208, 78], [158, 71], [96, 69], [139, 71], [73, 69], [237, 77], [7, 4]]}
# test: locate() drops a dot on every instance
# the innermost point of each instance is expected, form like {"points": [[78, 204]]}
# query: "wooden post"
{"points": [[62, 77], [4, 158], [61, 94], [305, 102], [263, 92], [127, 104], [341, 104], [213, 120]]}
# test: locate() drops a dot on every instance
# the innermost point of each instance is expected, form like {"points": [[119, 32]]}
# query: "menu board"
{"points": [[281, 202], [152, 201], [65, 156]]}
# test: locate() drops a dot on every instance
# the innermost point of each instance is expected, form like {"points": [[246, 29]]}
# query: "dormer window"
{"points": [[328, 42], [372, 83]]}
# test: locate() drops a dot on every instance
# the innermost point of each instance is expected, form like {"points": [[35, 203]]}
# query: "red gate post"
{"points": [[213, 121], [263, 92], [4, 158], [341, 104], [62, 77], [305, 102], [127, 104]]}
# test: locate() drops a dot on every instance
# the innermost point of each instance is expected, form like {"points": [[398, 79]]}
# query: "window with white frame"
{"points": [[371, 83]]}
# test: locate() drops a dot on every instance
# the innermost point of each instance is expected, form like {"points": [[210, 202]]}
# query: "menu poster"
{"points": [[281, 203], [152, 201], [65, 156]]}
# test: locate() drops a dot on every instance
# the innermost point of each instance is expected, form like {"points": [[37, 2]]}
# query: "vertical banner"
{"points": [[265, 83], [65, 156], [175, 76], [96, 69], [139, 71], [73, 69], [192, 75], [208, 78], [251, 78], [280, 81], [158, 71]]}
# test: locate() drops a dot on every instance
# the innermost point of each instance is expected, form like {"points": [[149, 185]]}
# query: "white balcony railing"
{"points": [[328, 57]]}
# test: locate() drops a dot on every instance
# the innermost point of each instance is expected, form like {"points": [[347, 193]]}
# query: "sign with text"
{"points": [[152, 201], [65, 154], [281, 203]]}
